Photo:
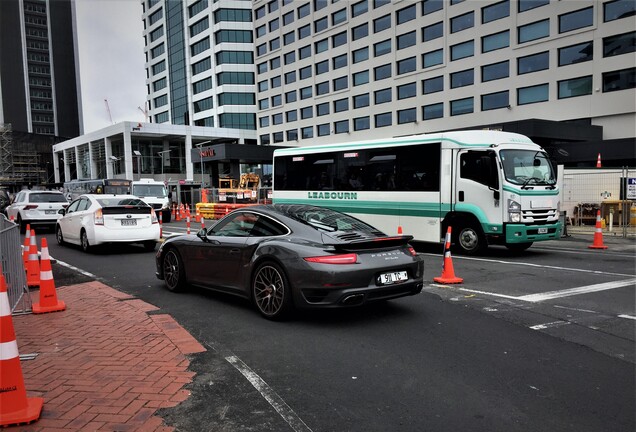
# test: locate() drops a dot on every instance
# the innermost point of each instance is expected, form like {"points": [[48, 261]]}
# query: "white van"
{"points": [[155, 194]]}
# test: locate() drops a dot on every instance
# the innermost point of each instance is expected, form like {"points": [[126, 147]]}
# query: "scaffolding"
{"points": [[20, 164]]}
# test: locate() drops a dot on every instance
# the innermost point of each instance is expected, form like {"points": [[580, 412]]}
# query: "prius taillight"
{"points": [[99, 217], [334, 259]]}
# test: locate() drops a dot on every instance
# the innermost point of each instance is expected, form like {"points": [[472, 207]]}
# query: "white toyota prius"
{"points": [[95, 219]]}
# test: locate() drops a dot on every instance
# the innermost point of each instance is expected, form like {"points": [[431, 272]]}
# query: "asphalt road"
{"points": [[490, 354]]}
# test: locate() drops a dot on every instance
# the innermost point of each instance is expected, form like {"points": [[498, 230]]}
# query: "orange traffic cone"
{"points": [[27, 245], [598, 161], [448, 273], [48, 296], [33, 264], [187, 223], [197, 215], [15, 407], [598, 234]]}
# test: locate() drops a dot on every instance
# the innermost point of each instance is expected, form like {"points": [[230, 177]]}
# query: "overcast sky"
{"points": [[111, 56]]}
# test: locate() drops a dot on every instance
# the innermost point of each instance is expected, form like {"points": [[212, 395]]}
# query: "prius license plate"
{"points": [[50, 211], [389, 278], [128, 222], [543, 230]]}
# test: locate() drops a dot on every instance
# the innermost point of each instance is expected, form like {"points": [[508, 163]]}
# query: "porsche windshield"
{"points": [[527, 167]]}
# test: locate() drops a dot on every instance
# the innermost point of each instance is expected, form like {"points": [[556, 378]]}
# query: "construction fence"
{"points": [[13, 267], [608, 190]]}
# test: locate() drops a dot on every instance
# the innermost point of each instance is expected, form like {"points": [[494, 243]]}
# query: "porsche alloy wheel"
{"points": [[173, 273], [271, 292]]}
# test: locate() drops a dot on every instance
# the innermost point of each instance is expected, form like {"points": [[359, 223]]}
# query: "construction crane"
{"points": [[144, 111], [108, 111]]}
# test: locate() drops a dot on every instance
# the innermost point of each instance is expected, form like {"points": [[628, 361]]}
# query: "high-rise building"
{"points": [[39, 102], [557, 71], [38, 85], [200, 63]]}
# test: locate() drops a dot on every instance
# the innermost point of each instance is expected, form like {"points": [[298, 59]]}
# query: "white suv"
{"points": [[36, 207]]}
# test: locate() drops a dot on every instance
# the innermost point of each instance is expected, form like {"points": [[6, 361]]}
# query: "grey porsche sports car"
{"points": [[282, 256]]}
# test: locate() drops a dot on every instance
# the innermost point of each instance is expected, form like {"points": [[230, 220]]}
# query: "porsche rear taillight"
{"points": [[412, 251], [99, 217], [334, 259]]}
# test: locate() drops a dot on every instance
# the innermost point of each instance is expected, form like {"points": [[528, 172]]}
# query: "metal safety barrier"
{"points": [[13, 267]]}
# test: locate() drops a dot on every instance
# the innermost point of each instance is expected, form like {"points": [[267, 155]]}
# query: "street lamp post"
{"points": [[161, 153], [200, 147], [114, 160], [138, 154]]}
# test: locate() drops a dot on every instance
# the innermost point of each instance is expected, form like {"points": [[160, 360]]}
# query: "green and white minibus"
{"points": [[490, 187]]}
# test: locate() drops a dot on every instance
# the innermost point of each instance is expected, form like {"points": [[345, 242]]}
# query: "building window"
{"points": [[290, 57], [203, 85], [360, 55], [407, 65], [533, 31], [320, 4], [306, 93], [360, 31], [576, 53], [159, 67], [360, 78], [199, 47], [382, 72], [235, 57], [533, 63], [407, 91], [274, 44], [619, 80], [462, 106], [321, 46], [265, 138], [408, 115], [433, 85], [575, 87], [383, 119], [406, 40], [341, 105], [618, 9], [462, 50], [236, 36], [263, 121], [495, 41], [307, 132], [432, 58], [320, 25], [339, 16], [261, 31], [361, 123], [289, 38], [339, 61], [525, 5], [433, 31], [339, 39], [306, 113], [495, 11], [361, 101], [162, 117], [493, 101], [619, 44], [323, 129], [322, 88], [430, 6], [382, 23], [406, 14], [495, 71], [274, 63], [341, 126], [261, 49], [156, 34], [532, 94], [462, 22], [288, 18], [206, 122], [322, 109], [382, 96], [199, 27], [204, 104], [200, 6], [201, 66], [359, 8], [433, 111], [233, 98], [340, 83], [157, 51], [277, 119], [272, 6], [290, 77], [263, 104], [263, 86], [303, 11], [382, 48], [275, 81], [291, 96], [305, 72], [159, 84], [304, 31], [161, 101], [322, 67], [235, 78], [576, 20], [304, 52], [292, 135], [278, 137], [462, 78]]}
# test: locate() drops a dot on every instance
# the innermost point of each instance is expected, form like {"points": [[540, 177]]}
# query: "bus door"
{"points": [[477, 186]]}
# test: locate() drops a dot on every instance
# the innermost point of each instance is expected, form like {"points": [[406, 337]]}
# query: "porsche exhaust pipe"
{"points": [[353, 300]]}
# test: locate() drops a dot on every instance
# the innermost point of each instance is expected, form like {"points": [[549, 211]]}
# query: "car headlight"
{"points": [[514, 211]]}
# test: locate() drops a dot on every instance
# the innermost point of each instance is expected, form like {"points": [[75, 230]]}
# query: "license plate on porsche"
{"points": [[390, 278], [128, 222], [542, 230]]}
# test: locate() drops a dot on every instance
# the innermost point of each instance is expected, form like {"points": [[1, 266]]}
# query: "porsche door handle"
{"points": [[235, 251]]}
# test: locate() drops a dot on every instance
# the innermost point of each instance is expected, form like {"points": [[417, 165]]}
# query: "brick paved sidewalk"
{"points": [[104, 363]]}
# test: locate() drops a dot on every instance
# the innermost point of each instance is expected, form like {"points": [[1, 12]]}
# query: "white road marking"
{"points": [[489, 293], [85, 273], [549, 325], [534, 298], [575, 309], [627, 317], [270, 395]]}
